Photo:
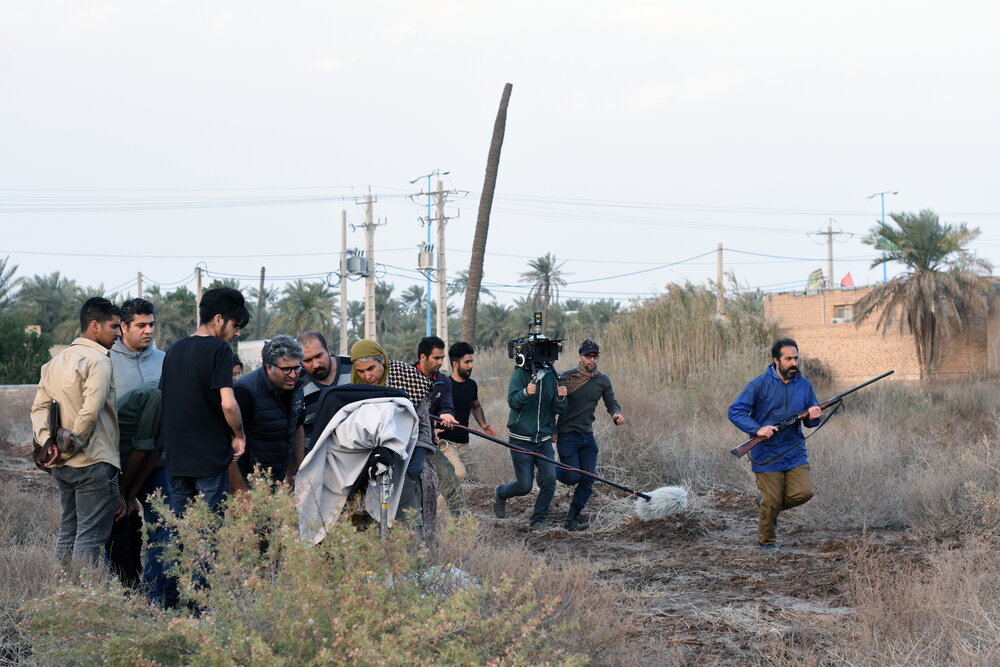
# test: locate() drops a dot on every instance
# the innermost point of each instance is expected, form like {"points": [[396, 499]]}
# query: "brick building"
{"points": [[823, 325]]}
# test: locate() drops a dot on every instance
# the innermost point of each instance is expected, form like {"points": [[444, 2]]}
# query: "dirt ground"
{"points": [[696, 585]]}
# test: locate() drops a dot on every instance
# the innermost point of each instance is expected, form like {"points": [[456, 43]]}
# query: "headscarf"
{"points": [[368, 348]]}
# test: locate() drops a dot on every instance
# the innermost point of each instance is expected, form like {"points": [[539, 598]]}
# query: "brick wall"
{"points": [[855, 353]]}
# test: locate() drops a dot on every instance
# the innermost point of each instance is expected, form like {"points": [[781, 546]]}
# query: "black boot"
{"points": [[573, 521]]}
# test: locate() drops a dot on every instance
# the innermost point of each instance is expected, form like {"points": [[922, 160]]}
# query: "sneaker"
{"points": [[769, 548], [499, 505], [759, 499]]}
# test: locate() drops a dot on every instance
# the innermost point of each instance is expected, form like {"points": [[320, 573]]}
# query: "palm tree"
{"points": [[263, 309], [546, 279], [52, 302], [944, 286], [475, 279], [305, 307], [460, 283], [412, 299], [7, 284], [492, 325], [175, 316]]}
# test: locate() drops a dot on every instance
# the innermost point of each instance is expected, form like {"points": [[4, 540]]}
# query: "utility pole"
{"points": [[881, 195], [829, 256], [343, 282], [429, 247], [197, 296], [829, 234], [370, 327], [718, 280], [260, 306], [138, 285], [442, 274]]}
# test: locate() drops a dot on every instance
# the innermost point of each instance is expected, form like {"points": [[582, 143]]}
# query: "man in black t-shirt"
{"points": [[465, 397], [202, 425]]}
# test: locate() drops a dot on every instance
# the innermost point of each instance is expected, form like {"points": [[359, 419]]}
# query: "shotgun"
{"points": [[789, 422]]}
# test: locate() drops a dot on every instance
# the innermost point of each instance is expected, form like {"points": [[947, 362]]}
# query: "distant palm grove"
{"points": [[942, 285]]}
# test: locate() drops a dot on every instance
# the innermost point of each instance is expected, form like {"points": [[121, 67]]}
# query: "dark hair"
{"points": [[780, 343], [97, 309], [428, 344], [134, 307], [237, 362], [280, 347], [224, 301], [312, 335], [459, 350]]}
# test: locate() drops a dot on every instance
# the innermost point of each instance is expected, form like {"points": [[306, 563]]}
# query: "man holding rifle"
{"points": [[780, 463]]}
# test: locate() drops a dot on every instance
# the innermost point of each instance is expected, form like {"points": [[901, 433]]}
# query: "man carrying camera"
{"points": [[535, 398]]}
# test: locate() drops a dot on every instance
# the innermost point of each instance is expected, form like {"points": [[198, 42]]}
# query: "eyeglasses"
{"points": [[289, 371], [592, 355]]}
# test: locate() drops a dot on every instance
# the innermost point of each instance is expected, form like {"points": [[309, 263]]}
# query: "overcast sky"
{"points": [[639, 135]]}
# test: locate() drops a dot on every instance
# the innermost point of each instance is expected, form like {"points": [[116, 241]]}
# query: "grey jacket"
{"points": [[134, 369]]}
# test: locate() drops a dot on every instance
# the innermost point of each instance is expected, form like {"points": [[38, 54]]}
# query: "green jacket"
{"points": [[532, 418], [139, 421]]}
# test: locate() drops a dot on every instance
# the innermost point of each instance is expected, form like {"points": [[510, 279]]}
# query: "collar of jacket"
{"points": [[86, 342], [119, 348]]}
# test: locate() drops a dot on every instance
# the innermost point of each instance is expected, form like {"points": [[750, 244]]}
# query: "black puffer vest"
{"points": [[271, 433]]}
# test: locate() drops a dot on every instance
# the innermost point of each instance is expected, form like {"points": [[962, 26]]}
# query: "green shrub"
{"points": [[263, 597]]}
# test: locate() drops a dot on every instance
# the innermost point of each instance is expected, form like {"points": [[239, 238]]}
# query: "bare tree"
{"points": [[475, 280]]}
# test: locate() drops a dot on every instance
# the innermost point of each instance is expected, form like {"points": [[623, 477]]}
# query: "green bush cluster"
{"points": [[262, 597]]}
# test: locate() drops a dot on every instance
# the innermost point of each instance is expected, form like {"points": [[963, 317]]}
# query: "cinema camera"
{"points": [[534, 350]]}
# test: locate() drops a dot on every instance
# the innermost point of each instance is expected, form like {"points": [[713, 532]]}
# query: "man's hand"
{"points": [[121, 508], [448, 420], [488, 430], [767, 431], [562, 392], [531, 389], [815, 412], [618, 419], [239, 446], [50, 454]]}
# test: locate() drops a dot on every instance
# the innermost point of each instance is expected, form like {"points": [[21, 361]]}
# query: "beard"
{"points": [[320, 373], [789, 373], [464, 373]]}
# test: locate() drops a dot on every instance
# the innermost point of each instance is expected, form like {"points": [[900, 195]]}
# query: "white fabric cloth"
{"points": [[339, 457]]}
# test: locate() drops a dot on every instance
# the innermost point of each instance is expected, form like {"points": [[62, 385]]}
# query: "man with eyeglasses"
{"points": [[575, 441], [270, 399]]}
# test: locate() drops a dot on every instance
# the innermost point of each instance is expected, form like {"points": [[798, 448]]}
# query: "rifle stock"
{"points": [[742, 449]]}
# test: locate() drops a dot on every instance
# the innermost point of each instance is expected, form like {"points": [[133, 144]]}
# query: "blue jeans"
{"points": [[88, 496], [525, 467], [153, 578], [184, 489], [578, 450]]}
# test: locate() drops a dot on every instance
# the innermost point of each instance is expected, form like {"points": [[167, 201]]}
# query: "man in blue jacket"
{"points": [[780, 463]]}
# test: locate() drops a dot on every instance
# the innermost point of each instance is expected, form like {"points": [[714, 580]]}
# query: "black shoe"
{"points": [[499, 505], [535, 526], [573, 520]]}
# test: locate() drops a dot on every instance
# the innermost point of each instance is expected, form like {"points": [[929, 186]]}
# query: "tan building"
{"points": [[823, 325]]}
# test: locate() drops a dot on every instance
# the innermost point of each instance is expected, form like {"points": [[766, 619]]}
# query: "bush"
{"points": [[264, 597]]}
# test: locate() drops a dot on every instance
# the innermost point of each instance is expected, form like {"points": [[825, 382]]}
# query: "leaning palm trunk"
{"points": [[483, 221]]}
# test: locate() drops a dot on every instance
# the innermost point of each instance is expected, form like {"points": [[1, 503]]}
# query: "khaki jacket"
{"points": [[81, 379]]}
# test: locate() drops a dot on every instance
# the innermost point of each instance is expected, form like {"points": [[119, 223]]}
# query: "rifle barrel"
{"points": [[742, 449]]}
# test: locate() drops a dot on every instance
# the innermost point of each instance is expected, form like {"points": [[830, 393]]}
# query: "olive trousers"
{"points": [[780, 491]]}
